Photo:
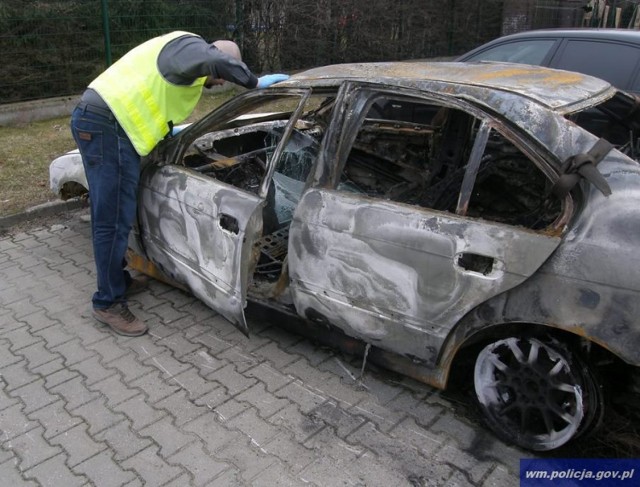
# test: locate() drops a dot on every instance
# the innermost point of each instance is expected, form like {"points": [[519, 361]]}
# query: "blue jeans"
{"points": [[112, 167]]}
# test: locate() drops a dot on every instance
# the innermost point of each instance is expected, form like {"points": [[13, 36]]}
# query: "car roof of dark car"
{"points": [[626, 35], [549, 87]]}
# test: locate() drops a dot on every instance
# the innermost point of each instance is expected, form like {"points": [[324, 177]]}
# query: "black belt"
{"points": [[103, 112]]}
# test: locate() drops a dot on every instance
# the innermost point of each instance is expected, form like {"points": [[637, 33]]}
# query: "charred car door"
{"points": [[200, 211], [431, 208]]}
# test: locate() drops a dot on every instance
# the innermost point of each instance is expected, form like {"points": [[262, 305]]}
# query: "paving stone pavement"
{"points": [[195, 402]]}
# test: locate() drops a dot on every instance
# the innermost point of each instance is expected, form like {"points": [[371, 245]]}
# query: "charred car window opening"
{"points": [[417, 153], [240, 154], [617, 120], [509, 188]]}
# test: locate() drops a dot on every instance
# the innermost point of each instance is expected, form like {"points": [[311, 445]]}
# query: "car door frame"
{"points": [[171, 225], [420, 340]]}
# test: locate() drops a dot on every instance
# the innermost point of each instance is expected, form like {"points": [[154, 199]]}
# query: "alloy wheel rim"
{"points": [[530, 392]]}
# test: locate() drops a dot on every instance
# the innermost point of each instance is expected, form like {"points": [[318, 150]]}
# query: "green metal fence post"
{"points": [[107, 37], [240, 23], [452, 9]]}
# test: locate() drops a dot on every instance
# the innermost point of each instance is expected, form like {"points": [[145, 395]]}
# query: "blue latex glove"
{"points": [[179, 128], [269, 79]]}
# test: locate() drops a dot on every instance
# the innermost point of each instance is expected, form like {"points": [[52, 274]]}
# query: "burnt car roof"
{"points": [[554, 89]]}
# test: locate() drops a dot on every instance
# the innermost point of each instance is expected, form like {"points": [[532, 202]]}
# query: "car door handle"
{"points": [[475, 263], [229, 223]]}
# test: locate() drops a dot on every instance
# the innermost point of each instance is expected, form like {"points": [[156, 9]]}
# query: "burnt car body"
{"points": [[426, 211]]}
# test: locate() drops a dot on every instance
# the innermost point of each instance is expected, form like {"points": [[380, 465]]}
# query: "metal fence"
{"points": [[55, 47], [580, 13]]}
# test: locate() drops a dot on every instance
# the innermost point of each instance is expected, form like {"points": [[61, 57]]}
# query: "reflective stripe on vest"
{"points": [[141, 99]]}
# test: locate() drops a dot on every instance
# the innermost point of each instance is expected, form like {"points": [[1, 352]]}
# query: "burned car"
{"points": [[421, 213]]}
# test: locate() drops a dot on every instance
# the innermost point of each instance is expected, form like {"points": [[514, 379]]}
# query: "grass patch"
{"points": [[27, 150], [25, 154]]}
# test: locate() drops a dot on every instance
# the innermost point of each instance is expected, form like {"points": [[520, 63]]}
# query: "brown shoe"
{"points": [[121, 320], [137, 285]]}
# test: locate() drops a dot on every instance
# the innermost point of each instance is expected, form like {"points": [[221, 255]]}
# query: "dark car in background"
{"points": [[609, 54]]}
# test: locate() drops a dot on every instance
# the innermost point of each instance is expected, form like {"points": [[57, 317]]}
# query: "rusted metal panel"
{"points": [[392, 274], [199, 232], [139, 263], [548, 87]]}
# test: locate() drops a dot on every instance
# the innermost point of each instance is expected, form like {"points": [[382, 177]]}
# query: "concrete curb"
{"points": [[46, 209], [36, 110]]}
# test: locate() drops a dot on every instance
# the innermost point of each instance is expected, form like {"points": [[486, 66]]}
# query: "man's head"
{"points": [[231, 49]]}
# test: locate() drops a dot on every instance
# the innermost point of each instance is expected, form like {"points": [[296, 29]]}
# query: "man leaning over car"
{"points": [[121, 116]]}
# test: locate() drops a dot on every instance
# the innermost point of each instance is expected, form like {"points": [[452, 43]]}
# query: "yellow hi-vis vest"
{"points": [[143, 101]]}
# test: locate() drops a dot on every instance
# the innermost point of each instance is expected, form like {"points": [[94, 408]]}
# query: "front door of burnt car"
{"points": [[201, 213], [433, 208]]}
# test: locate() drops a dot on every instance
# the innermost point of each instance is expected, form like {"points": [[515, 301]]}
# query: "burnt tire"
{"points": [[536, 393]]}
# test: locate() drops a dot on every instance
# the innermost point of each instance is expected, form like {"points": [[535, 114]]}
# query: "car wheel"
{"points": [[535, 392]]}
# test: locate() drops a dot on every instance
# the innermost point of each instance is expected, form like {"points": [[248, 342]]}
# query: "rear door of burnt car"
{"points": [[410, 229], [199, 228]]}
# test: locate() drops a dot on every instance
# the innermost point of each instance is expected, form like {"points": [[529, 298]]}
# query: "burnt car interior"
{"points": [[417, 153], [408, 151], [616, 120], [239, 156]]}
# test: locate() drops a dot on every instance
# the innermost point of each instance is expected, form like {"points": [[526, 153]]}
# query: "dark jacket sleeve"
{"points": [[189, 57]]}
